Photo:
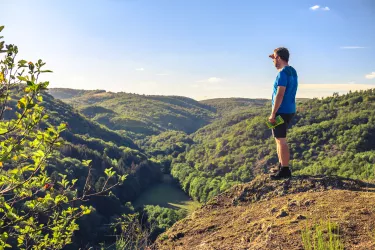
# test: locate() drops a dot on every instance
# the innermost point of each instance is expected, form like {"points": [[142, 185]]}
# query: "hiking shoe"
{"points": [[275, 169], [283, 173]]}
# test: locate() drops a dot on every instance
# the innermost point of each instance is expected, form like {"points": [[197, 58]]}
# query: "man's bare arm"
{"points": [[278, 100]]}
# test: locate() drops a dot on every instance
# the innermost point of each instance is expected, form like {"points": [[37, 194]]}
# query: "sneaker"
{"points": [[283, 173], [275, 169]]}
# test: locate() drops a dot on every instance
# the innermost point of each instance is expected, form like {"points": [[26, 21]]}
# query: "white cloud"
{"points": [[317, 7], [162, 74], [371, 75], [351, 82], [212, 80], [352, 47], [139, 69], [211, 84]]}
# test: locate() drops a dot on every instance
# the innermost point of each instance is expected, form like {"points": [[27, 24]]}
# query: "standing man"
{"points": [[283, 104]]}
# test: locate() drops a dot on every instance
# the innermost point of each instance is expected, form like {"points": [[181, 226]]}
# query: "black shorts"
{"points": [[280, 131]]}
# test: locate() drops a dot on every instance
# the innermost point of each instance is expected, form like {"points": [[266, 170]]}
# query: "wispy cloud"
{"points": [[212, 84], [352, 47], [162, 74], [317, 7], [371, 75], [139, 69], [212, 80]]}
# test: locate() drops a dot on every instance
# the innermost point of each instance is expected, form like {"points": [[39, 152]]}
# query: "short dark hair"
{"points": [[283, 53]]}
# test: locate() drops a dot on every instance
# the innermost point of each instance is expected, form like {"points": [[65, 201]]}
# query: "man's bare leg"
{"points": [[283, 152], [278, 150]]}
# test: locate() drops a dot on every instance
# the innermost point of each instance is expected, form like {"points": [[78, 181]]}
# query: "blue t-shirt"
{"points": [[288, 78]]}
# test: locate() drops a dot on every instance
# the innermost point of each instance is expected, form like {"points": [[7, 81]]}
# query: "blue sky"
{"points": [[197, 48]]}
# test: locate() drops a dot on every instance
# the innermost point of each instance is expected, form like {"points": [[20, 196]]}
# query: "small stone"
{"points": [[273, 210], [364, 211], [177, 236], [300, 217], [292, 203], [282, 214], [308, 203], [245, 239]]}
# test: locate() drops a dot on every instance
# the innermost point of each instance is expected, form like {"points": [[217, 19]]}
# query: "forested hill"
{"points": [[333, 135], [139, 114], [231, 106], [228, 106], [80, 125], [107, 149]]}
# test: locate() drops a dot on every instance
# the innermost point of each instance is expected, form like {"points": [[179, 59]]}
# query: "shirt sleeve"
{"points": [[282, 79]]}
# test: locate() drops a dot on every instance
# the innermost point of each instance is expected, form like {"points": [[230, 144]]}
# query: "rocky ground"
{"points": [[266, 214]]}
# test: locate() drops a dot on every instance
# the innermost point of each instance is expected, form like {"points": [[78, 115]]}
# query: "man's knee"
{"points": [[281, 141]]}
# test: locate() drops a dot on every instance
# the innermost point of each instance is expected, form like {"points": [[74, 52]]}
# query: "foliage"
{"points": [[159, 219], [139, 115], [230, 106], [133, 235], [331, 136], [35, 211], [166, 146], [138, 230], [324, 236]]}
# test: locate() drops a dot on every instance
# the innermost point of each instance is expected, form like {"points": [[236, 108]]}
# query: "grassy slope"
{"points": [[78, 124], [229, 106], [140, 114]]}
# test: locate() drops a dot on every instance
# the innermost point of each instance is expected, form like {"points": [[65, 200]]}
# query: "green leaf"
{"points": [[22, 78], [3, 130], [22, 103], [14, 171], [86, 162], [7, 206], [123, 177], [1, 28], [39, 153], [28, 168]]}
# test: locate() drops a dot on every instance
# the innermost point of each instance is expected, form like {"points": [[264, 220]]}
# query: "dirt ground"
{"points": [[265, 214]]}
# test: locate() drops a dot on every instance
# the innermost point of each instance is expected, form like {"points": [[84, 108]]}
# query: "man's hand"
{"points": [[272, 119]]}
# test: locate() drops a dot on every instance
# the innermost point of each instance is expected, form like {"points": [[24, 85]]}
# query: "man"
{"points": [[283, 104]]}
